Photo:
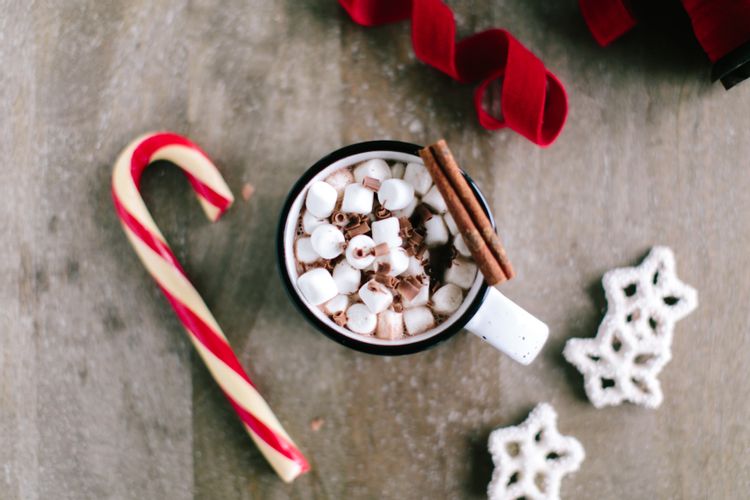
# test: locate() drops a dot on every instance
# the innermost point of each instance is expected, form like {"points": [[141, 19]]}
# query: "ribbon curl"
{"points": [[533, 101]]}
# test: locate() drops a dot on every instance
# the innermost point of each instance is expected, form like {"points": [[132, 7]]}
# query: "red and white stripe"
{"points": [[206, 335]]}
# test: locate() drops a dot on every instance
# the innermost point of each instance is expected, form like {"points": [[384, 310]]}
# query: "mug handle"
{"points": [[508, 327]]}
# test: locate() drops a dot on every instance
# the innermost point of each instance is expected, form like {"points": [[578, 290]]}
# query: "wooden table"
{"points": [[101, 395]]}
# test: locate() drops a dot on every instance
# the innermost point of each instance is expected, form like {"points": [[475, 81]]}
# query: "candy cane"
{"points": [[204, 332]]}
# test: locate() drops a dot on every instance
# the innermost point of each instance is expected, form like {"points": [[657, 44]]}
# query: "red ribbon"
{"points": [[533, 101]]}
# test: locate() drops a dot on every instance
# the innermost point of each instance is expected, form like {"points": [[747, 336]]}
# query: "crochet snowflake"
{"points": [[531, 459], [634, 340]]}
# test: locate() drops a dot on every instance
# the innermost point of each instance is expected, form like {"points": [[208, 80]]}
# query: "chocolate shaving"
{"points": [[371, 183], [339, 218], [386, 279], [383, 267], [369, 274], [359, 253], [382, 213], [372, 286], [416, 239], [419, 252], [339, 318], [397, 305], [409, 288], [422, 213], [361, 228], [380, 249]]}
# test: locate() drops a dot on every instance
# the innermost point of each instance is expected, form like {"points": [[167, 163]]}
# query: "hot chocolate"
{"points": [[378, 252]]}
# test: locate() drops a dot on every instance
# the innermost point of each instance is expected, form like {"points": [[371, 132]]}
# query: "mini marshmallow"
{"points": [[397, 170], [387, 231], [357, 199], [305, 252], [310, 222], [451, 223], [346, 277], [328, 241], [340, 179], [360, 244], [415, 267], [447, 299], [321, 199], [377, 169], [390, 325], [376, 296], [418, 176], [317, 286], [337, 304], [418, 320], [395, 194], [398, 260], [422, 298], [408, 210], [437, 233], [359, 319], [460, 245], [461, 273], [435, 200]]}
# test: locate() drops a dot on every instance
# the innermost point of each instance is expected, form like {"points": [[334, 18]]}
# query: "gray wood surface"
{"points": [[100, 393]]}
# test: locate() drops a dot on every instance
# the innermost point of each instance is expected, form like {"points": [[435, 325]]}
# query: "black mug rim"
{"points": [[362, 346]]}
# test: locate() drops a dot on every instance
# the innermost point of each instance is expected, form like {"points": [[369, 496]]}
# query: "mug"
{"points": [[484, 312]]}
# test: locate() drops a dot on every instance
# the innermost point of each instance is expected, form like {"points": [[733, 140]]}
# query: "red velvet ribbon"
{"points": [[720, 25], [533, 101]]}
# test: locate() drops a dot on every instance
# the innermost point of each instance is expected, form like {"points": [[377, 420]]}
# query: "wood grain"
{"points": [[100, 394]]}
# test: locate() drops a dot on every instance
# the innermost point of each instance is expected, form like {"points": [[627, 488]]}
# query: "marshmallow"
{"points": [[361, 244], [310, 222], [408, 210], [451, 223], [321, 199], [421, 298], [395, 194], [357, 199], [435, 200], [376, 296], [377, 169], [328, 241], [398, 260], [418, 320], [397, 170], [359, 319], [317, 286], [340, 179], [390, 325], [447, 299], [386, 231], [337, 304], [461, 273], [418, 176], [415, 267], [437, 233], [346, 277], [460, 245], [305, 252]]}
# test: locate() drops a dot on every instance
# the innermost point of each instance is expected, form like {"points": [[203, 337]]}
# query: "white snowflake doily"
{"points": [[634, 340], [532, 458]]}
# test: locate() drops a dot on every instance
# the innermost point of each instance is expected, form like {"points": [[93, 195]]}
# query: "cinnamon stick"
{"points": [[449, 166], [483, 256]]}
